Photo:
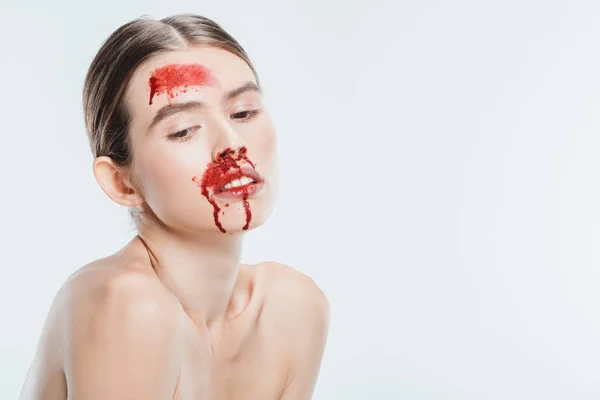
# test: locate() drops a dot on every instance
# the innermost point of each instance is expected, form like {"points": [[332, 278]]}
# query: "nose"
{"points": [[228, 143]]}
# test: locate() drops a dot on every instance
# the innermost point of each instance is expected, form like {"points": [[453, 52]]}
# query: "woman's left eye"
{"points": [[245, 115]]}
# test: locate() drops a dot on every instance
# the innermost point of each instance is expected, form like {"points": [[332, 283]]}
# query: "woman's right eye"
{"points": [[185, 134]]}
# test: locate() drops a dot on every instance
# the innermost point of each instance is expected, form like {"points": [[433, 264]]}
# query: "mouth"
{"points": [[239, 183]]}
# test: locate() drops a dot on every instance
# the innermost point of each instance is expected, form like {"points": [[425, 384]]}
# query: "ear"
{"points": [[115, 183]]}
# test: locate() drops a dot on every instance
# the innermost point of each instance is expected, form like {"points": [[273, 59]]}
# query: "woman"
{"points": [[181, 137]]}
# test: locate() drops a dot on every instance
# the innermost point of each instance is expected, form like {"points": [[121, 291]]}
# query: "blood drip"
{"points": [[211, 201], [248, 212], [177, 77], [213, 176], [242, 155]]}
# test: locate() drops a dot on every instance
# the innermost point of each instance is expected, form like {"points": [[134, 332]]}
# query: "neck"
{"points": [[201, 270]]}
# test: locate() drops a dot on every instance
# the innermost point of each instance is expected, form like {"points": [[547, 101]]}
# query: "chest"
{"points": [[245, 364]]}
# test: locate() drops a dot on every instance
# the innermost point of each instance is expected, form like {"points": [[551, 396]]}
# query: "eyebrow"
{"points": [[174, 108]]}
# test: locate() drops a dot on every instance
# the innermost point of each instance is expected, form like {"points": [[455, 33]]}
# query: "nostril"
{"points": [[225, 153]]}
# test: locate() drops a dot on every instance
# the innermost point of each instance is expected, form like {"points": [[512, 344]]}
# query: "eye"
{"points": [[245, 115], [185, 134]]}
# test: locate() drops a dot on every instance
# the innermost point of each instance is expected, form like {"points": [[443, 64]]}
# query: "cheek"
{"points": [[265, 147], [169, 174], [166, 169]]}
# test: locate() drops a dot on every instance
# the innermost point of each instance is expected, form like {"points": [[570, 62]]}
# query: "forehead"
{"points": [[230, 71]]}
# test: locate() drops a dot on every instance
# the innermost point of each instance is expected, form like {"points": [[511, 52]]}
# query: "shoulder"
{"points": [[293, 289], [284, 278], [110, 305], [296, 301], [128, 296], [298, 313], [119, 320]]}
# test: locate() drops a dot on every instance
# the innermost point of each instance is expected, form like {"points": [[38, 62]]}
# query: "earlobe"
{"points": [[114, 182]]}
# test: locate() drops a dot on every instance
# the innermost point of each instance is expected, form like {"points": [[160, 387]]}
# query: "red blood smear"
{"points": [[211, 201], [248, 212], [171, 78], [214, 174], [243, 156]]}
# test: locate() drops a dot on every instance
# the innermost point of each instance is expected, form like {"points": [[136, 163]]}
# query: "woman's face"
{"points": [[203, 143]]}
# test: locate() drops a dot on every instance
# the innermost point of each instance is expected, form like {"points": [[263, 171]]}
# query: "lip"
{"points": [[241, 191]]}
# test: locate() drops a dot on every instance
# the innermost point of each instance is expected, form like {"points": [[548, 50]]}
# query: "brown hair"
{"points": [[107, 117]]}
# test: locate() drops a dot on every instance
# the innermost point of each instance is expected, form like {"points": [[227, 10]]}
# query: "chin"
{"points": [[238, 219]]}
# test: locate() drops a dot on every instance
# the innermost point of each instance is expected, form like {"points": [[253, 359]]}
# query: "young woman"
{"points": [[181, 137]]}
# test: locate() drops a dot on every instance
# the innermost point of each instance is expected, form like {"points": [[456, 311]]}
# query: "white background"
{"points": [[440, 177]]}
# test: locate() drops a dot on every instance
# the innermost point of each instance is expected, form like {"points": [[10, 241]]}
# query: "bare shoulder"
{"points": [[104, 283], [294, 299], [128, 296], [122, 328], [111, 331], [298, 321], [282, 282]]}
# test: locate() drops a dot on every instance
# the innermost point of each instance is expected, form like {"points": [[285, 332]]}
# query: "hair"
{"points": [[107, 117]]}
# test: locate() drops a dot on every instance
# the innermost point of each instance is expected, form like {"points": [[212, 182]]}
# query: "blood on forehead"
{"points": [[174, 78]]}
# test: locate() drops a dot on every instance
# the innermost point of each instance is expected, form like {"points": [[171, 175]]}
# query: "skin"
{"points": [[174, 314]]}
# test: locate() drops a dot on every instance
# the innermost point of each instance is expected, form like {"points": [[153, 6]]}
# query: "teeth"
{"points": [[244, 180]]}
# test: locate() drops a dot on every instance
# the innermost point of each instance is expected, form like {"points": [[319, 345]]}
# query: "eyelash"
{"points": [[251, 114], [177, 135]]}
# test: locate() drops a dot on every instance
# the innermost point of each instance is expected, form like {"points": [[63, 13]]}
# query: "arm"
{"points": [[122, 341]]}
